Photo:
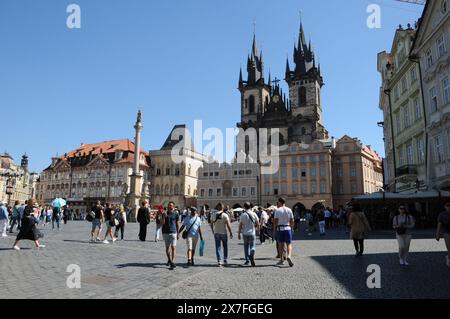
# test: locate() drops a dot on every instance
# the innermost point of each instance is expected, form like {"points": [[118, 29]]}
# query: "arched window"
{"points": [[166, 190], [176, 190], [302, 96], [157, 190], [252, 104]]}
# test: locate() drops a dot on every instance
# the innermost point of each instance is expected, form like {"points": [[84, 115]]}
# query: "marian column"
{"points": [[134, 196]]}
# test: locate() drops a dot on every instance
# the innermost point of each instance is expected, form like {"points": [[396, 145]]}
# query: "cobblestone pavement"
{"points": [[325, 267]]}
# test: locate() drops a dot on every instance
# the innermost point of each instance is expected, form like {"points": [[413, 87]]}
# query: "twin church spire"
{"points": [[304, 59]]}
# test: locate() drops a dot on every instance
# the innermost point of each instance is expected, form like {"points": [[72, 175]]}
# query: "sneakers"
{"points": [[280, 263], [114, 240], [247, 263], [98, 239], [225, 263], [16, 247], [289, 260], [406, 263], [219, 264], [4, 235], [172, 266], [40, 246], [168, 263], [252, 261], [106, 242], [402, 262]]}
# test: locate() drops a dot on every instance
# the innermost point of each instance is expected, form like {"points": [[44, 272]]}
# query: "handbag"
{"points": [[90, 217], [402, 230], [202, 248], [186, 232], [116, 222]]}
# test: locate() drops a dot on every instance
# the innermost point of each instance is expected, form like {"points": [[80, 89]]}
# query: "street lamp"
{"points": [[10, 183]]}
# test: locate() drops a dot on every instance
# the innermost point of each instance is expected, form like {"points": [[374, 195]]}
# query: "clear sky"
{"points": [[177, 60]]}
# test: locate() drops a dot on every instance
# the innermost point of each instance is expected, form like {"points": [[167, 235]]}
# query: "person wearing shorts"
{"points": [[170, 229], [192, 224], [97, 222], [283, 225]]}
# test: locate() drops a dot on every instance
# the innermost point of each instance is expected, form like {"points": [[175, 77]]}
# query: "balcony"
{"points": [[407, 172]]}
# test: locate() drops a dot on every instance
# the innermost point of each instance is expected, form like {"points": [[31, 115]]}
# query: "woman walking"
{"points": [[403, 223], [192, 225], [109, 221], [121, 216], [28, 230], [360, 228]]}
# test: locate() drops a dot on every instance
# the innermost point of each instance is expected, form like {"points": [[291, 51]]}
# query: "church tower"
{"points": [[305, 81], [255, 93]]}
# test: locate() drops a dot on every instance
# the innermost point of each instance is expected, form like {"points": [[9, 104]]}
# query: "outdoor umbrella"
{"points": [[59, 202]]}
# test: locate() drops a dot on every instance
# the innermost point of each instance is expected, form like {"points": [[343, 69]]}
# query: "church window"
{"points": [[252, 104], [302, 96]]}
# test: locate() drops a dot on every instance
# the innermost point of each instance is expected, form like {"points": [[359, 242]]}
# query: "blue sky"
{"points": [[177, 60]]}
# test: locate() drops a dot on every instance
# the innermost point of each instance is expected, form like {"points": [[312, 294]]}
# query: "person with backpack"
{"points": [[220, 222], [248, 226], [403, 223], [444, 230], [143, 218], [359, 228], [192, 225]]}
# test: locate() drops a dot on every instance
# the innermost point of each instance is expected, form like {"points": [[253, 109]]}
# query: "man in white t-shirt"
{"points": [[248, 225], [283, 225]]}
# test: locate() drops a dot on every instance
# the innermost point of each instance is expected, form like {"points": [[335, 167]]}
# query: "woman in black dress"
{"points": [[28, 230]]}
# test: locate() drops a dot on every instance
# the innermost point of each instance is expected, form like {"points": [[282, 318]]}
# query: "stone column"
{"points": [[134, 196]]}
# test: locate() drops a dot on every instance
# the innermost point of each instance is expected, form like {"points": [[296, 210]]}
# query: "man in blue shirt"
{"points": [[170, 229], [192, 223]]}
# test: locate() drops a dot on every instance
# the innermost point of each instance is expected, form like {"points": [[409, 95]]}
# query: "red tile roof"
{"points": [[103, 148]]}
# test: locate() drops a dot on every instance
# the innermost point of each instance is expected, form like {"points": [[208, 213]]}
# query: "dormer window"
{"points": [[119, 155]]}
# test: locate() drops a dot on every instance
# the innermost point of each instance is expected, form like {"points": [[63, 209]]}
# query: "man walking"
{"points": [[220, 222], [98, 220], [444, 229], [15, 216], [143, 218], [170, 229], [283, 225], [247, 226]]}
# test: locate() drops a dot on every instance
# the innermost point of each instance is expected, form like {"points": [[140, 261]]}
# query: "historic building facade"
{"points": [[431, 50], [356, 169], [404, 121], [303, 169], [93, 172], [175, 179], [231, 184], [16, 182]]}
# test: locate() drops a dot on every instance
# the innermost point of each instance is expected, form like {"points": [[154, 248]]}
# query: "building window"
{"points": [[340, 171], [302, 96], [413, 75], [168, 171], [429, 58], [176, 190], [439, 149], [313, 187], [205, 174], [397, 123], [446, 90], [313, 171], [417, 110], [441, 46], [283, 172], [404, 85], [353, 171], [210, 192], [409, 154], [354, 188], [244, 191], [252, 191], [303, 172], [216, 174], [294, 172], [275, 191], [420, 151], [219, 192], [322, 171], [294, 188], [177, 170], [235, 192], [406, 120], [202, 193], [433, 99], [303, 188], [323, 188], [252, 104]]}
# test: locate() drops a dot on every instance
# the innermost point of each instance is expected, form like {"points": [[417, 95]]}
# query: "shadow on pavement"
{"points": [[427, 276]]}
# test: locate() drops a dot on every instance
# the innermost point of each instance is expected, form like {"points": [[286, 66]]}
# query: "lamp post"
{"points": [[10, 183]]}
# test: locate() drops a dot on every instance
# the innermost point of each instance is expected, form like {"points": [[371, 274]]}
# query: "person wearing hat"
{"points": [[192, 226], [29, 230], [3, 219]]}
